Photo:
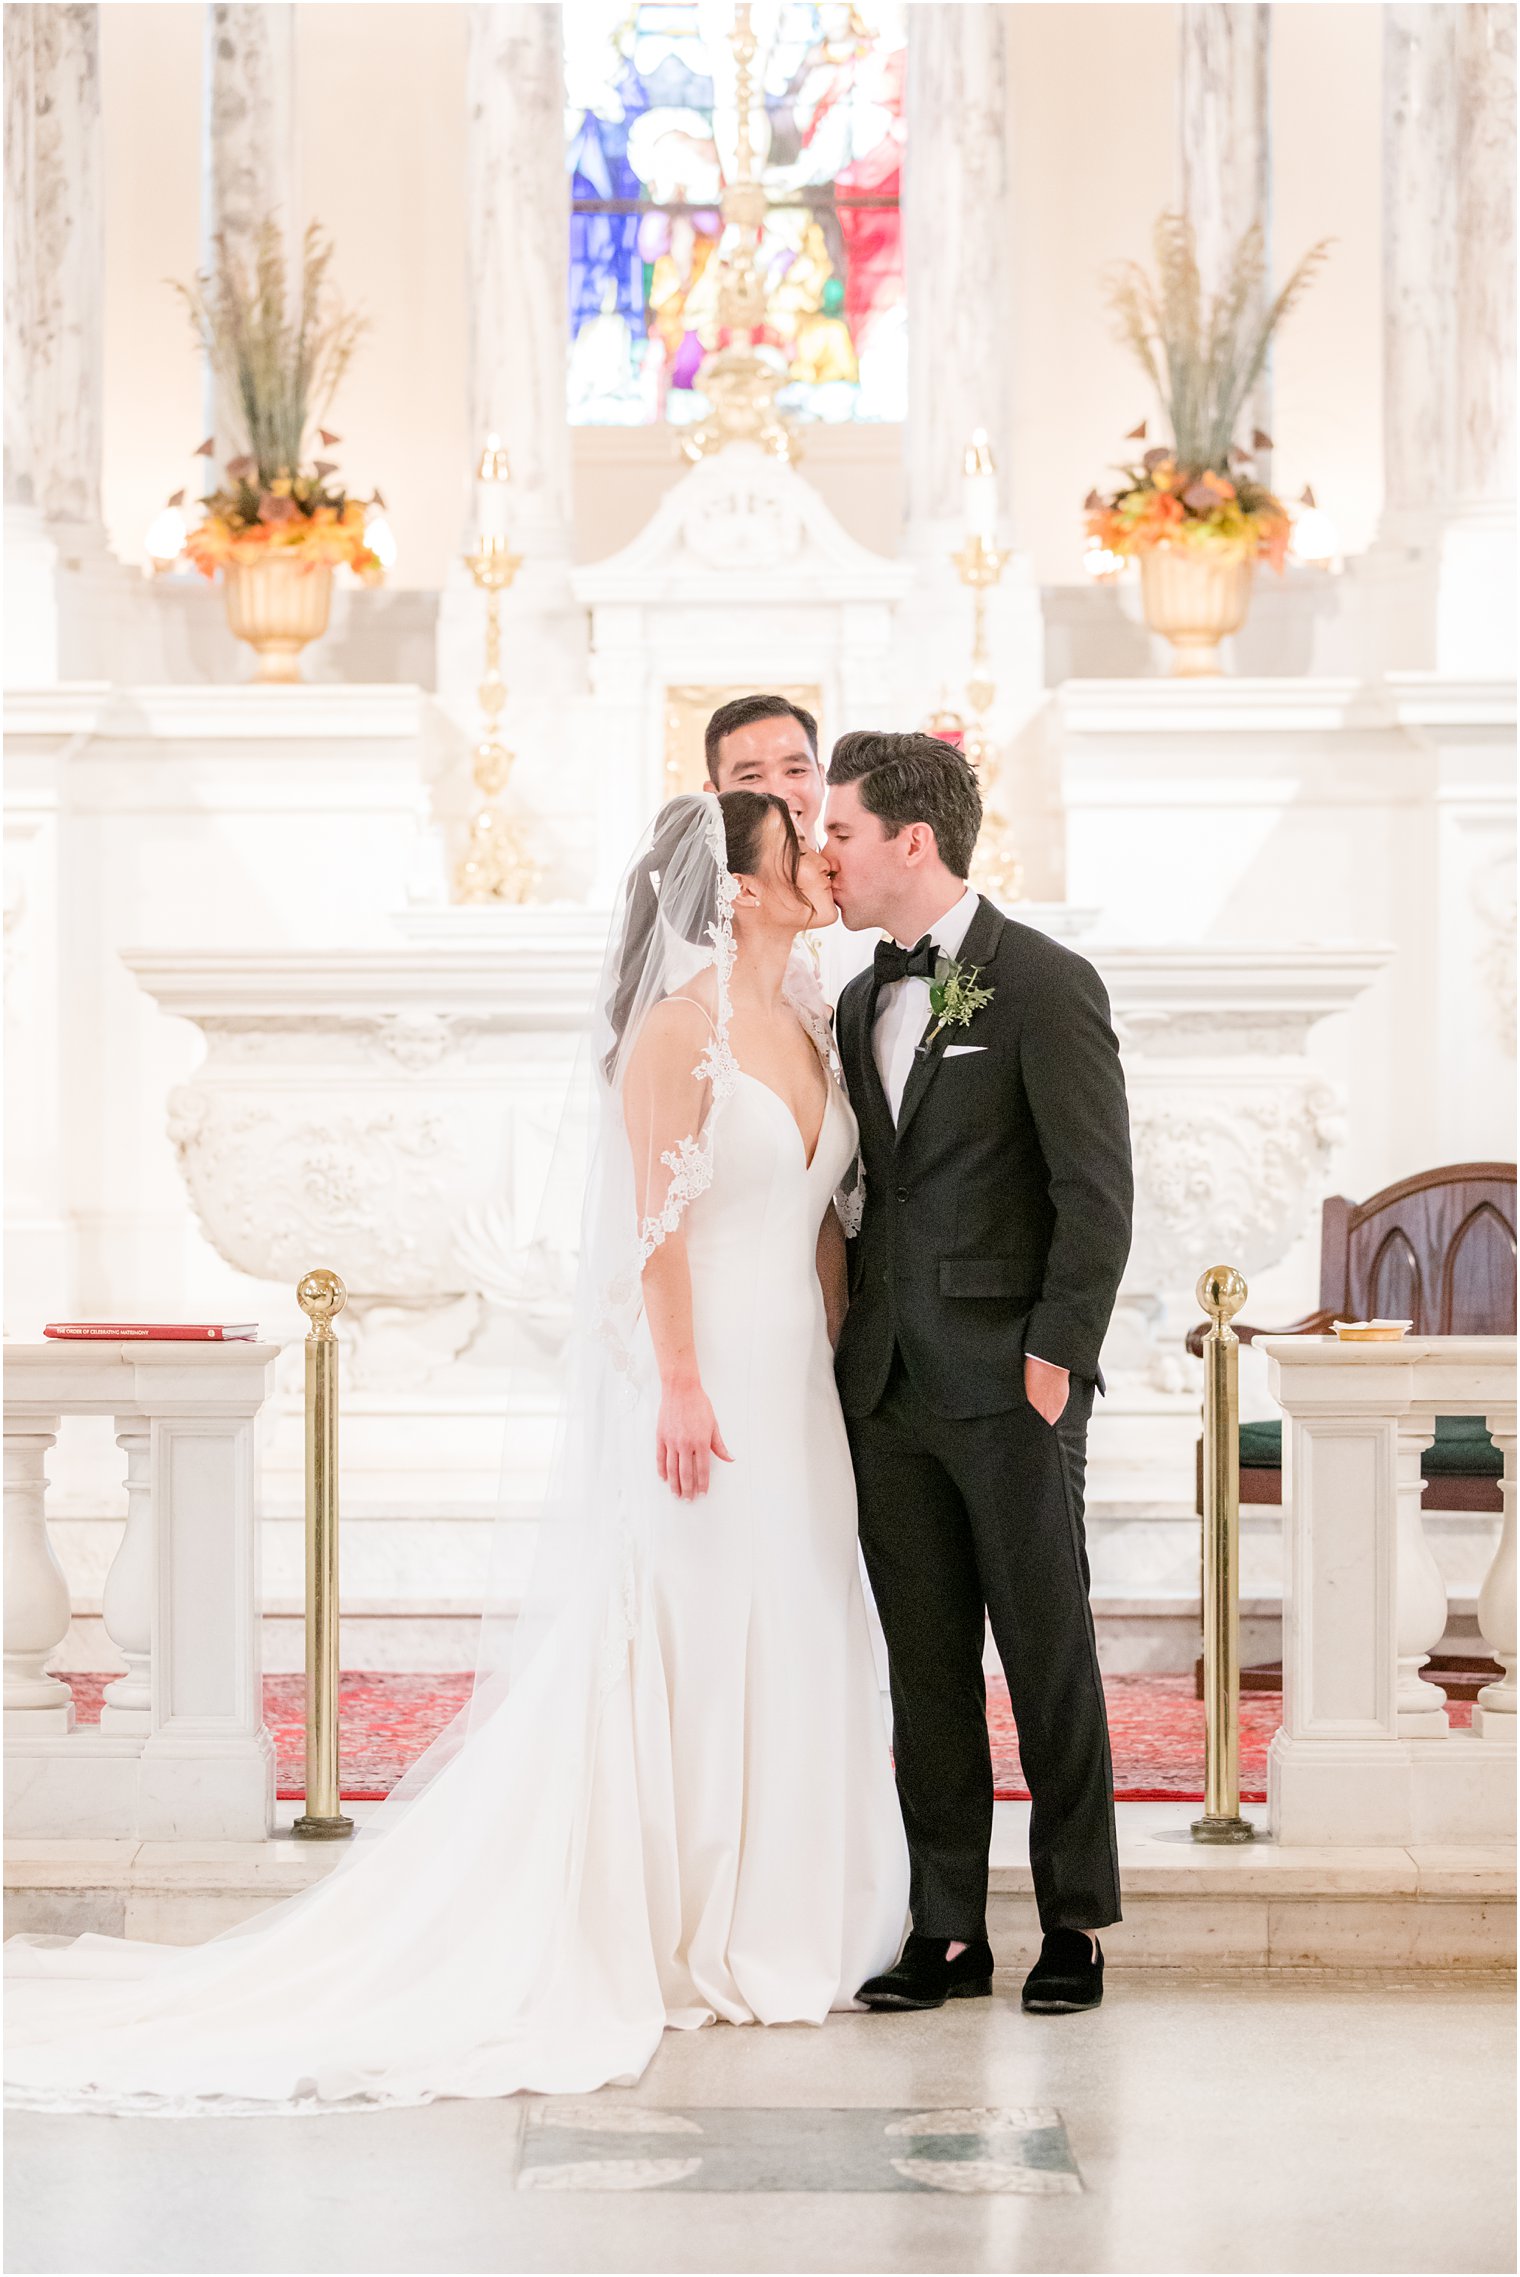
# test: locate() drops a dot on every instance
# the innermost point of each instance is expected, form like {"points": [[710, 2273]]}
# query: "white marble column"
{"points": [[1224, 146], [1475, 617], [1419, 236], [250, 152], [54, 263], [54, 280], [958, 252], [249, 166], [958, 239], [1485, 410], [1449, 331], [519, 222], [518, 254]]}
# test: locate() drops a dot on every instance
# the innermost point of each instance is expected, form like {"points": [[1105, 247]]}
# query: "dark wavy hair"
{"points": [[745, 814], [914, 778], [744, 817], [743, 711]]}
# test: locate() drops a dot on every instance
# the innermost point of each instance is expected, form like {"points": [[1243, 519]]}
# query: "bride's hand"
{"points": [[686, 1439]]}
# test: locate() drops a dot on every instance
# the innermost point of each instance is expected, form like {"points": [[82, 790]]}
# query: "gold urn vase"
{"points": [[277, 606], [1195, 603]]}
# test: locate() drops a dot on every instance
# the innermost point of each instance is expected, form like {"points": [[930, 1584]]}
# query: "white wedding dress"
{"points": [[681, 1814]]}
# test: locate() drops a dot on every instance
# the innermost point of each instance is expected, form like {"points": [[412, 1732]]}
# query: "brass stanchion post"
{"points": [[321, 1295], [1221, 1292]]}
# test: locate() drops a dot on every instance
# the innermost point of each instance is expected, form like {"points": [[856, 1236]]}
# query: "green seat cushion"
{"points": [[1261, 1446], [1463, 1449]]}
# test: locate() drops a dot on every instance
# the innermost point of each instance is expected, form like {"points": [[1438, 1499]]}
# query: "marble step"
{"points": [[1186, 1906]]}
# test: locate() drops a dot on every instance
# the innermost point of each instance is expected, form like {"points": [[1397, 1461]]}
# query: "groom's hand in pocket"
{"points": [[686, 1439], [1046, 1388]]}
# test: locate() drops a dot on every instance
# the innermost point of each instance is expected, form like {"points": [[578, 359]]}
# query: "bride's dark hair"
{"points": [[745, 814]]}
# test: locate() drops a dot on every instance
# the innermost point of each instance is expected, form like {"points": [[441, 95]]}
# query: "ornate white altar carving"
{"points": [[1235, 1129], [742, 579], [390, 1112]]}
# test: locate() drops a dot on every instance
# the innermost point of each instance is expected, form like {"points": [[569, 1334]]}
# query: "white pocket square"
{"points": [[958, 1051]]}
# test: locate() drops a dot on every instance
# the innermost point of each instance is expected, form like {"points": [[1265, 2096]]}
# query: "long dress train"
{"points": [[681, 1812]]}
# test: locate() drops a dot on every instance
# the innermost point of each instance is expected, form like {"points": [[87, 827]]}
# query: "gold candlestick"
{"points": [[997, 868], [496, 864]]}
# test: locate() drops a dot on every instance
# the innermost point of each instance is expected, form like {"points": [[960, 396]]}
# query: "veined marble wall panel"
{"points": [[192, 818], [152, 63], [1321, 811]]}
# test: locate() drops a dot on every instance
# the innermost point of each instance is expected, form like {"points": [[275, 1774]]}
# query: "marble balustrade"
{"points": [[180, 1750], [1366, 1753]]}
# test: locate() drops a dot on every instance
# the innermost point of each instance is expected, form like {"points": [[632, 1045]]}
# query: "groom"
{"points": [[995, 1144]]}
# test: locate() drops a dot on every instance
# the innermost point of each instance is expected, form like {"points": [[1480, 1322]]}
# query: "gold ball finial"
{"points": [[321, 1295], [1221, 1292]]}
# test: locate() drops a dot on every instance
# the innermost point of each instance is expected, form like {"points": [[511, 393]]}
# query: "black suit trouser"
{"points": [[962, 1523]]}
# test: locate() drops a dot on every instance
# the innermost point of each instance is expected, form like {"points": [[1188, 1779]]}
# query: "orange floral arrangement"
{"points": [[279, 354], [1203, 354], [296, 518], [1159, 503]]}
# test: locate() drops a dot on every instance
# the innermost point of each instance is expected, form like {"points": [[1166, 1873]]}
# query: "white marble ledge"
{"points": [[1444, 1374], [135, 1375], [538, 973], [1439, 699], [196, 713], [1156, 1860], [1481, 1869], [1281, 705], [133, 1866], [1232, 977], [1229, 706]]}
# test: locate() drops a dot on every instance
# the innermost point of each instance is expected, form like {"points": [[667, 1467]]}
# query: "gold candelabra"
{"points": [[740, 384], [980, 563], [496, 864]]}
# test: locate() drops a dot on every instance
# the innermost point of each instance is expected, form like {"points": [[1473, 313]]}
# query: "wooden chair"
{"points": [[1439, 1250]]}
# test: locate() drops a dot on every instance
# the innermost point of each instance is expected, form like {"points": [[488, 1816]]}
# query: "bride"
{"points": [[672, 1803]]}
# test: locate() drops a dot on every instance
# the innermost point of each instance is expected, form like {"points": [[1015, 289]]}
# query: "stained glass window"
{"points": [[652, 126]]}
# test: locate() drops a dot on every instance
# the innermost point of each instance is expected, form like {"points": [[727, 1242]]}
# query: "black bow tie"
{"points": [[894, 963]]}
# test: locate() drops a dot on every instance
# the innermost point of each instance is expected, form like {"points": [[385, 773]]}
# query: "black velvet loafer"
{"points": [[1068, 1974], [923, 1978]]}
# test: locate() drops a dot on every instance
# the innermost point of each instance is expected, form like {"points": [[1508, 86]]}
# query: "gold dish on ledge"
{"points": [[1371, 1331]]}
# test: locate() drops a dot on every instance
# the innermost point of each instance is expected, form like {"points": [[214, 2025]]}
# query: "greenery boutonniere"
{"points": [[954, 997]]}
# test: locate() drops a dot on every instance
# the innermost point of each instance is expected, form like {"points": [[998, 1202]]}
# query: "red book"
{"points": [[164, 1331]]}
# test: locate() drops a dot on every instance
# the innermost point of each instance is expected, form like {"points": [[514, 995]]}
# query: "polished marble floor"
{"points": [[1291, 2124]]}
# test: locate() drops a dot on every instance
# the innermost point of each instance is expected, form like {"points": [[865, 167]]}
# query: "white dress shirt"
{"points": [[902, 1008]]}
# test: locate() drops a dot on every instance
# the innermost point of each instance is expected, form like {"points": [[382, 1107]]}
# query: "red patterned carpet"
{"points": [[1155, 1722]]}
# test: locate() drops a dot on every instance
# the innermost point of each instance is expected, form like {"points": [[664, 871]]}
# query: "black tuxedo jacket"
{"points": [[997, 1210]]}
